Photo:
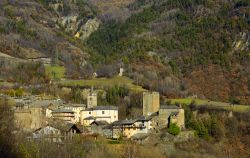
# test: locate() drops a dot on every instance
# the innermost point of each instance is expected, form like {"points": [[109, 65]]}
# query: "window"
{"points": [[103, 112]]}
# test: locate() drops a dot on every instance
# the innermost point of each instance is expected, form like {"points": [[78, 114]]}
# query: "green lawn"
{"points": [[223, 105], [104, 82], [55, 72]]}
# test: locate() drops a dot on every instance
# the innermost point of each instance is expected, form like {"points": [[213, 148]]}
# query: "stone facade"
{"points": [[151, 103], [92, 100], [65, 115], [99, 113], [169, 114], [28, 119]]}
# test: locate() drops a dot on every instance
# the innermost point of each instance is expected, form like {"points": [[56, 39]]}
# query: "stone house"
{"points": [[77, 108], [30, 112], [161, 115], [99, 113], [128, 128], [64, 115], [171, 114], [96, 127], [28, 119], [88, 120], [56, 132]]}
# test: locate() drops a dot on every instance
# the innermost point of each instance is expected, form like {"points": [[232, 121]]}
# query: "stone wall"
{"points": [[151, 102], [165, 116], [91, 100], [28, 119]]}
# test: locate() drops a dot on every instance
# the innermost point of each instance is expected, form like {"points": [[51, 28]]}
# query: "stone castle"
{"points": [[151, 103], [92, 99], [162, 115]]}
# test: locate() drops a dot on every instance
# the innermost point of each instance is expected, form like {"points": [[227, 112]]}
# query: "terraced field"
{"points": [[215, 104], [103, 82], [55, 72]]}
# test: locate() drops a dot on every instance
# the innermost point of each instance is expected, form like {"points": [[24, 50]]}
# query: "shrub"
{"points": [[174, 129]]}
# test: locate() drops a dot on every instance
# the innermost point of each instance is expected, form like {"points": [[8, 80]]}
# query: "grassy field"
{"points": [[7, 84], [222, 105], [104, 82], [55, 72]]}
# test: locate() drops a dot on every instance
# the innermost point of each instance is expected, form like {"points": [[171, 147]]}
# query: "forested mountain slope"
{"points": [[182, 47], [178, 47], [31, 29]]}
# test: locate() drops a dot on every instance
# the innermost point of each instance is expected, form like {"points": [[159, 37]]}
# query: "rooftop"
{"points": [[61, 125], [63, 111], [89, 118], [99, 123], [142, 118], [101, 108], [123, 122]]}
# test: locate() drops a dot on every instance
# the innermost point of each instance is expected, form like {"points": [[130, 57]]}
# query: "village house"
{"points": [[28, 119], [96, 127], [128, 128], [88, 120], [162, 115], [64, 115], [30, 111], [58, 132], [77, 108], [155, 117], [99, 113]]}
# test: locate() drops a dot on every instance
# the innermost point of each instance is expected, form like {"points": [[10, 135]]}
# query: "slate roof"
{"points": [[45, 103], [89, 118], [100, 123], [101, 108], [62, 126], [63, 111], [142, 118], [169, 107], [123, 122]]}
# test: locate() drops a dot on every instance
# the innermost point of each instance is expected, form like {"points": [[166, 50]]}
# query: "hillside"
{"points": [[32, 29], [182, 48]]}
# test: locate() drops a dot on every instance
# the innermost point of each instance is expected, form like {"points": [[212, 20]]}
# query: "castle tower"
{"points": [[151, 102], [92, 99]]}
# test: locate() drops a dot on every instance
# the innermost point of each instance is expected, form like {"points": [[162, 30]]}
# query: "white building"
{"points": [[99, 113], [77, 108]]}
